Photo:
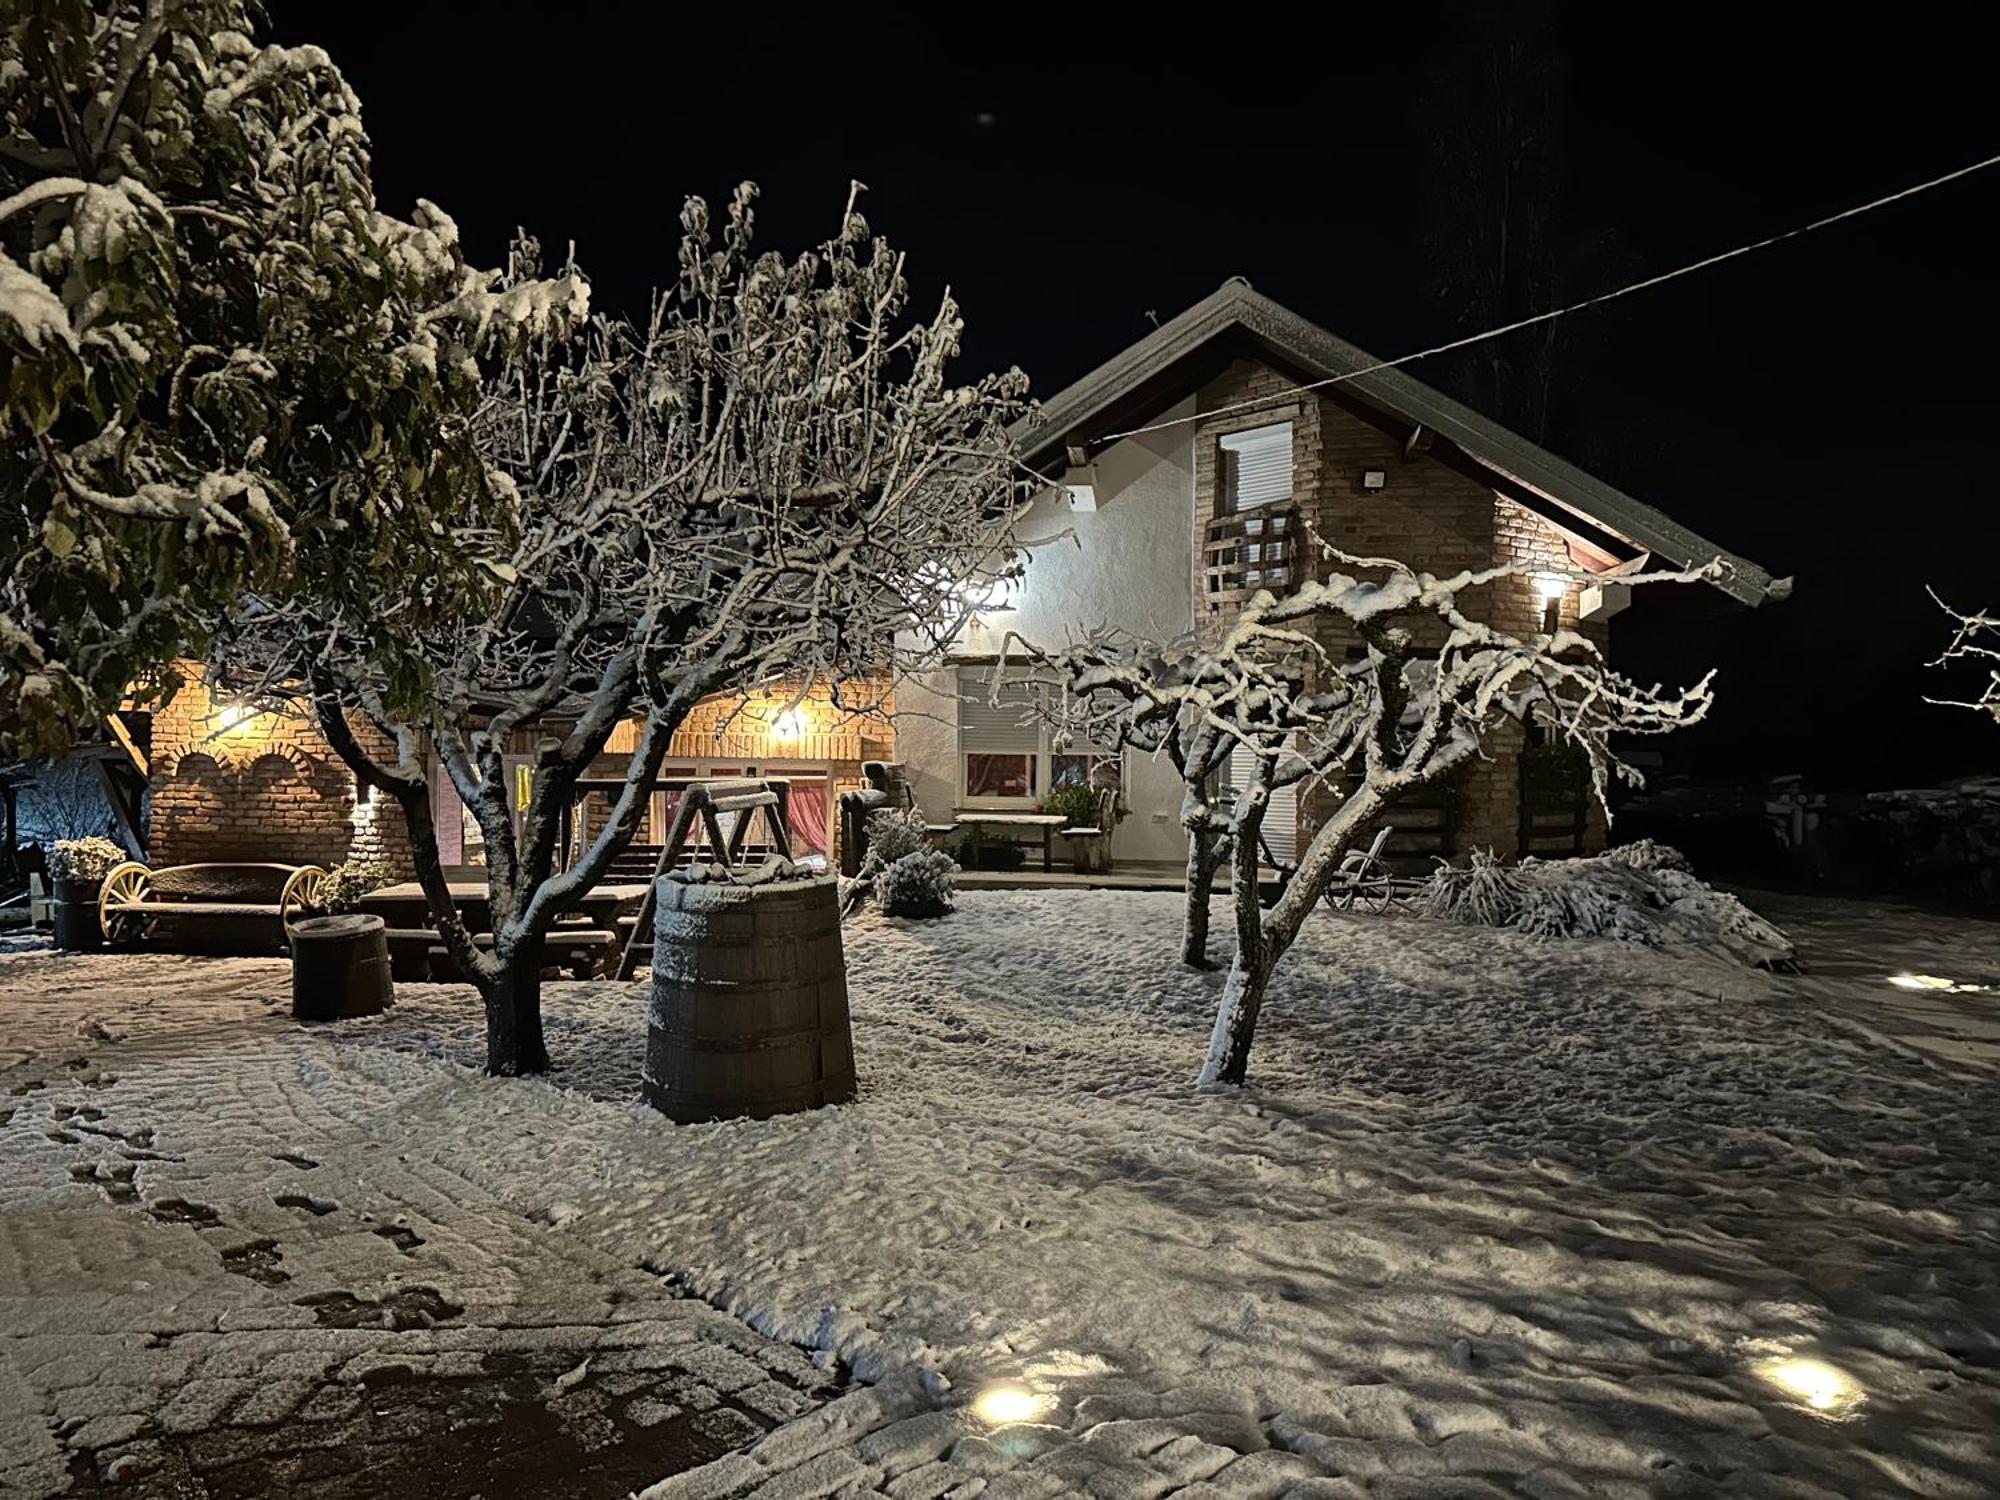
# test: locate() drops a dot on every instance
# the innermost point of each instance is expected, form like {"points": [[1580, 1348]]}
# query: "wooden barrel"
{"points": [[74, 911], [749, 1014], [340, 967]]}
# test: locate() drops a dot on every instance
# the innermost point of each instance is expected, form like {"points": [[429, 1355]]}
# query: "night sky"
{"points": [[1825, 407]]}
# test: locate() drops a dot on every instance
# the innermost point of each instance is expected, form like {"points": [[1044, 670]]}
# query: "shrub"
{"points": [[347, 883], [1486, 892], [894, 833], [85, 861], [1076, 802], [976, 849], [1649, 854], [917, 885], [1633, 895]]}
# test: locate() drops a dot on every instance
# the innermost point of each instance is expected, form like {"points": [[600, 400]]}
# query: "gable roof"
{"points": [[1237, 322]]}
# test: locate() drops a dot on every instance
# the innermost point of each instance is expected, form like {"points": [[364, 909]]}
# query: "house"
{"points": [[1163, 532], [1234, 441]]}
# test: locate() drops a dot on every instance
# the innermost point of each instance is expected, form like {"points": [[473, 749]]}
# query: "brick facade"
{"points": [[262, 787], [269, 787], [1426, 514]]}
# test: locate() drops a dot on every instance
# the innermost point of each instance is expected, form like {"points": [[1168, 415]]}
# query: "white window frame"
{"points": [[1259, 443], [1041, 756]]}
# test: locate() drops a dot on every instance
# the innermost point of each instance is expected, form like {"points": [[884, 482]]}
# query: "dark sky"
{"points": [[1825, 407]]}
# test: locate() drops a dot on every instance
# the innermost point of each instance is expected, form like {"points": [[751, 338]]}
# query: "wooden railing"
{"points": [[1256, 549]]}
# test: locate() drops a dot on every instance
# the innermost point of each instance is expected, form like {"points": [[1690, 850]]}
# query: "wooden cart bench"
{"points": [[207, 908]]}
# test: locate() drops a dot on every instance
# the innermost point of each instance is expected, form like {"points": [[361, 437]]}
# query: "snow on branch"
{"points": [[1976, 639]]}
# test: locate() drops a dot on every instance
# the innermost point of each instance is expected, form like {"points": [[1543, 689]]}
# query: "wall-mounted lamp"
{"points": [[1374, 479], [788, 724]]}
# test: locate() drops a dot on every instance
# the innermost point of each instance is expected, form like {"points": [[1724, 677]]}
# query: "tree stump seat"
{"points": [[340, 967]]}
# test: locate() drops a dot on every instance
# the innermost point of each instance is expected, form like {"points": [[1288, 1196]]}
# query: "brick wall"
{"points": [[266, 787], [1426, 514]]}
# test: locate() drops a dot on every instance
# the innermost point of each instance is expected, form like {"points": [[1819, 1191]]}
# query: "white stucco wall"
{"points": [[1129, 565]]}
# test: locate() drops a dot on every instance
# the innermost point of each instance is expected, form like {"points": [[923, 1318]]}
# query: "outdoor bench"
{"points": [[207, 908], [418, 954]]}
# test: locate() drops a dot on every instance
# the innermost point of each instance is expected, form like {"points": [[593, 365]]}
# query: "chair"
{"points": [[1090, 843], [1364, 879]]}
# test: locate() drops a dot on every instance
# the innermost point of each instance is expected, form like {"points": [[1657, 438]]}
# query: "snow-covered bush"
{"points": [[84, 861], [1656, 905], [1649, 854], [921, 884], [892, 834], [347, 883], [1485, 892]]}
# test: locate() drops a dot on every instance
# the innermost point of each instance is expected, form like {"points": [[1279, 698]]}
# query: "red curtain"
{"points": [[448, 822], [808, 817]]}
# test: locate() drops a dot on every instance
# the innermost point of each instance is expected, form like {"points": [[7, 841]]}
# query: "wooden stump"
{"points": [[340, 967], [77, 929], [749, 1014]]}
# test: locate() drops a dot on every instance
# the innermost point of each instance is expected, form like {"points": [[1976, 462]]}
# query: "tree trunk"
{"points": [[514, 1044], [1236, 1020], [1250, 971], [1205, 851]]}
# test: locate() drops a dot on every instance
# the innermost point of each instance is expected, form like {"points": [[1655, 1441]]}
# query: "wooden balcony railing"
{"points": [[1256, 549]]}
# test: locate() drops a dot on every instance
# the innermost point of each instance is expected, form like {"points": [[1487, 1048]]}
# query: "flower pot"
{"points": [[77, 927]]}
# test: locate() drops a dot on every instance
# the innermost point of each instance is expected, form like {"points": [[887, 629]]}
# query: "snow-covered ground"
{"points": [[1497, 1216]]}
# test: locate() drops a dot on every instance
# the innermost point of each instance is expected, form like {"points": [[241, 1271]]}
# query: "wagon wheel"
{"points": [[303, 895], [1367, 885], [127, 885]]}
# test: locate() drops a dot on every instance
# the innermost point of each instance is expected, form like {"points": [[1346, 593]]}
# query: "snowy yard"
{"points": [[1495, 1216]]}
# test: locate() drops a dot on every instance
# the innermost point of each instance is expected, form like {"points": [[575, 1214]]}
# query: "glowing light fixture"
{"points": [[1550, 587], [1824, 1389], [1008, 1401], [231, 716], [788, 724], [1939, 985]]}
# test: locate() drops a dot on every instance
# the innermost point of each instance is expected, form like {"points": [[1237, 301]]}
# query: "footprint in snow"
{"points": [[319, 1208]]}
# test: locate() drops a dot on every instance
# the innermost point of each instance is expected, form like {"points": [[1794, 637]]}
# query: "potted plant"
{"points": [[78, 867]]}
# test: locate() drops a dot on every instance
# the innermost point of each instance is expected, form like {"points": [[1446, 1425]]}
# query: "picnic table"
{"points": [[1047, 822], [406, 905]]}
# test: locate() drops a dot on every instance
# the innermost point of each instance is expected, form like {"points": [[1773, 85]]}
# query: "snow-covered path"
{"points": [[1496, 1217]]}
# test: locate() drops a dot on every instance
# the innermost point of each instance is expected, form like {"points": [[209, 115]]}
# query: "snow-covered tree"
{"points": [[770, 482], [1975, 640], [1428, 687], [225, 366]]}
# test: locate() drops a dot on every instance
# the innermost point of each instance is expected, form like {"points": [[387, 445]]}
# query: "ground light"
{"points": [[1008, 1401], [1824, 1389], [1938, 984]]}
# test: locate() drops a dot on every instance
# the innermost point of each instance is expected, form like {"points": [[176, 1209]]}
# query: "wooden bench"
{"points": [[418, 954], [207, 908]]}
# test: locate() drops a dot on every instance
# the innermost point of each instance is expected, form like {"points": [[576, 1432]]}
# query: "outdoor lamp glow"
{"points": [[1815, 1384], [788, 724], [1550, 587], [1008, 1401]]}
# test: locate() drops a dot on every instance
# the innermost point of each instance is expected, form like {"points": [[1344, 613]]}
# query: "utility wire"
{"points": [[1544, 317]]}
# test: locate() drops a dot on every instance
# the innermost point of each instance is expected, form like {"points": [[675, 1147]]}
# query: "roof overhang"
{"points": [[1236, 322]]}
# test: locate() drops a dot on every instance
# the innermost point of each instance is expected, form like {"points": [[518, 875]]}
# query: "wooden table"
{"points": [[405, 905], [1047, 822]]}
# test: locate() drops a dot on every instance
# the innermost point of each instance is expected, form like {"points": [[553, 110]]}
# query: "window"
{"points": [[1256, 467], [1004, 747], [1091, 768]]}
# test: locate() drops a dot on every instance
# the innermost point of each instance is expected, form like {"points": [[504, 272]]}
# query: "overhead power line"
{"points": [[1543, 317]]}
